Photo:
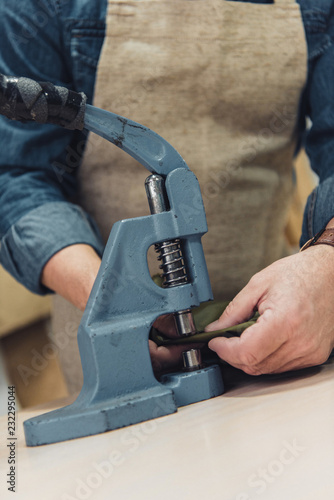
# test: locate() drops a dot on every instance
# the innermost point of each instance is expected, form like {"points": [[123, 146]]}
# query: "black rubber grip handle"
{"points": [[24, 100]]}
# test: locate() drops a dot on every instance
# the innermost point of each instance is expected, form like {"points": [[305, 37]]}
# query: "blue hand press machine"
{"points": [[119, 387]]}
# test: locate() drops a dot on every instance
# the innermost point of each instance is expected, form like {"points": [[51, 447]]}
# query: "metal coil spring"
{"points": [[172, 263]]}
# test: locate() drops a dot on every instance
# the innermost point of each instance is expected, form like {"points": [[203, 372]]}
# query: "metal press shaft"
{"points": [[173, 267]]}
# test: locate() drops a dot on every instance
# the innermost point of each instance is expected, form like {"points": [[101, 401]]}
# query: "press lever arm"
{"points": [[24, 100]]}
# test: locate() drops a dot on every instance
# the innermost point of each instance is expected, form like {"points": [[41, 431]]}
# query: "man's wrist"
{"points": [[324, 237]]}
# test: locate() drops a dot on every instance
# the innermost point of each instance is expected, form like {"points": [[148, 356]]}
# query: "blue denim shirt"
{"points": [[60, 41]]}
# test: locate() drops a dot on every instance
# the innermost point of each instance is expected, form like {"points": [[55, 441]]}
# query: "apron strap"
{"points": [[285, 2]]}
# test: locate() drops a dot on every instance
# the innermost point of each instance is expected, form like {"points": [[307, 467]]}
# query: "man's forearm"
{"points": [[71, 273]]}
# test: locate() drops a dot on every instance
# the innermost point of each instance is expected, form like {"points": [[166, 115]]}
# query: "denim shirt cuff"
{"points": [[319, 209], [37, 236]]}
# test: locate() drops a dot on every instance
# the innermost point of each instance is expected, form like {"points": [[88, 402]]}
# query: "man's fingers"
{"points": [[164, 357], [239, 310], [167, 357], [252, 350], [166, 325]]}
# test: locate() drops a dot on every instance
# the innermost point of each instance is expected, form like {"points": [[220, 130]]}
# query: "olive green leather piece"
{"points": [[203, 315]]}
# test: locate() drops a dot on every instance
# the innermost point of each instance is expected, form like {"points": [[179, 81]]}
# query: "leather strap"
{"points": [[324, 237]]}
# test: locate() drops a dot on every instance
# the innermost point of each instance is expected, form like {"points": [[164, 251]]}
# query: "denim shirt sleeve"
{"points": [[60, 42], [319, 106]]}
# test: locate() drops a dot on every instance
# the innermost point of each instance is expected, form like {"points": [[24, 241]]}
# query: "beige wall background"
{"points": [[25, 345], [306, 181], [19, 307]]}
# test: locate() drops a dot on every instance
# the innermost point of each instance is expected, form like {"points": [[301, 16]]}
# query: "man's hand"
{"points": [[166, 358], [295, 298]]}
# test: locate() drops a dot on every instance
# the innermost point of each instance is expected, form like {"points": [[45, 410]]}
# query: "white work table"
{"points": [[266, 438]]}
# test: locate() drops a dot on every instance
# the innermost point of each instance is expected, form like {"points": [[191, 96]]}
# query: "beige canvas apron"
{"points": [[221, 81]]}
